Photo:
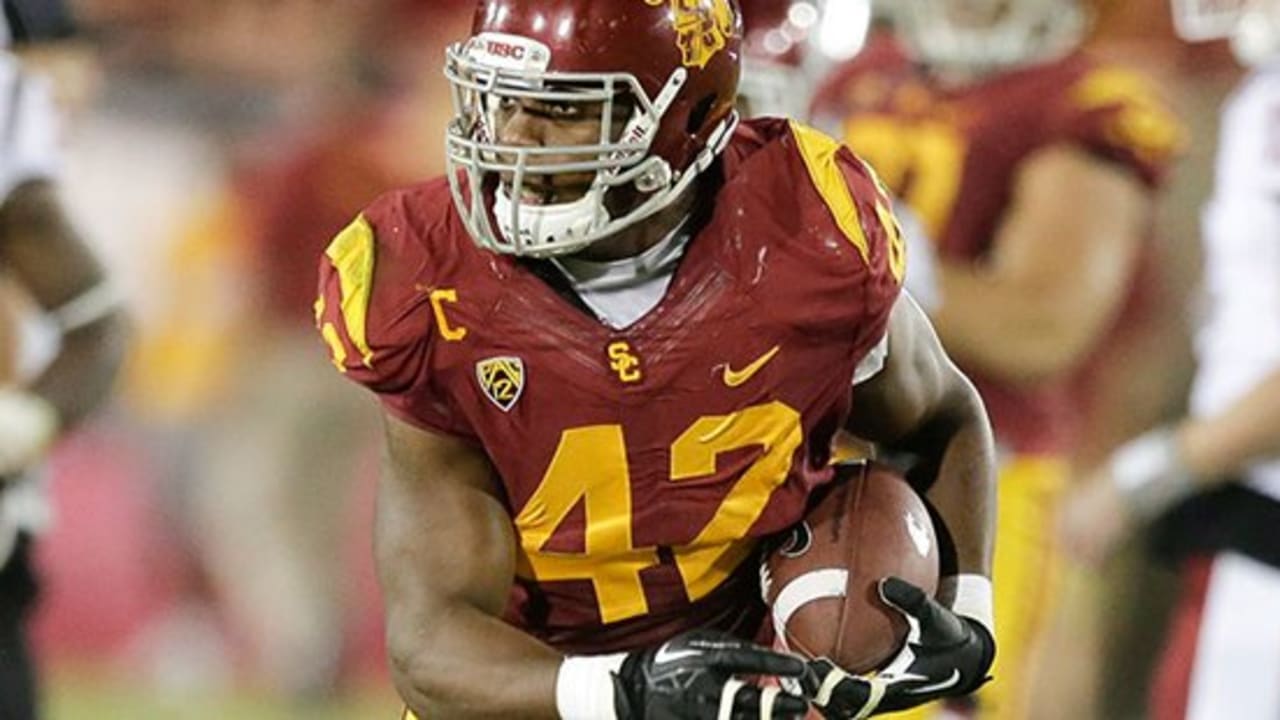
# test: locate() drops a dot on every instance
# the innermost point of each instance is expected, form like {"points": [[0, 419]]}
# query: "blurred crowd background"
{"points": [[212, 148]]}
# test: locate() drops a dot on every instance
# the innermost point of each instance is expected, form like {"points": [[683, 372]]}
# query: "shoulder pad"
{"points": [[846, 236], [1119, 114], [855, 200], [373, 309]]}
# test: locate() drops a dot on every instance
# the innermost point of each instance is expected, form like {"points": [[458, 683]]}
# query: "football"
{"points": [[820, 582]]}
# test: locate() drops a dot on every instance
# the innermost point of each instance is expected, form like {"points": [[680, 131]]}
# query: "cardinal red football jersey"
{"points": [[641, 465], [954, 153]]}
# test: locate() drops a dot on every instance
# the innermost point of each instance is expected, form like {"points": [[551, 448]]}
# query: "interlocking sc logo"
{"points": [[624, 362]]}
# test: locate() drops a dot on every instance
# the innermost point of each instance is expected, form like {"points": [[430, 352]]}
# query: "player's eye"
{"points": [[563, 110]]}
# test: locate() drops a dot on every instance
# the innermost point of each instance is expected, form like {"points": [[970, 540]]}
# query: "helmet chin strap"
{"points": [[562, 228], [541, 225]]}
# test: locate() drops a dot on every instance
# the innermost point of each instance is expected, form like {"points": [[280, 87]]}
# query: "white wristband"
{"points": [[584, 686], [972, 598], [86, 308], [1149, 473]]}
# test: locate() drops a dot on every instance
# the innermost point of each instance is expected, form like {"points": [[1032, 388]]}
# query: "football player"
{"points": [[42, 256], [287, 446], [612, 347], [1034, 168], [1222, 654]]}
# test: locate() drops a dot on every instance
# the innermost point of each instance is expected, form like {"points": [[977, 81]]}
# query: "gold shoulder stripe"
{"points": [[897, 244], [337, 353], [1145, 121], [351, 253], [1112, 86], [819, 153]]}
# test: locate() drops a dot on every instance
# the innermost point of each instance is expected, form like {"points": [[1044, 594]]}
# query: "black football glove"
{"points": [[693, 677], [945, 655]]}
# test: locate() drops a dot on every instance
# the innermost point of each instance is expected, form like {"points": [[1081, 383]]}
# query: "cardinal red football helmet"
{"points": [[979, 36], [675, 65], [776, 39]]}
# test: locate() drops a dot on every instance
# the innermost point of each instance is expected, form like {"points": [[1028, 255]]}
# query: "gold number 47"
{"points": [[590, 465]]}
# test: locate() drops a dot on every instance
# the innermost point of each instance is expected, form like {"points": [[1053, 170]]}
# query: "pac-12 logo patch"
{"points": [[502, 380]]}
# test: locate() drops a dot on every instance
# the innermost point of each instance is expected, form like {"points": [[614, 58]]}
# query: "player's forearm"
{"points": [[1012, 330], [964, 491], [41, 248], [1217, 447], [451, 653], [470, 665], [921, 403], [82, 375], [445, 551]]}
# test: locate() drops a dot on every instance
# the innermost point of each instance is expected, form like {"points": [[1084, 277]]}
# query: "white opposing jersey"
{"points": [[29, 150], [1238, 343], [29, 126]]}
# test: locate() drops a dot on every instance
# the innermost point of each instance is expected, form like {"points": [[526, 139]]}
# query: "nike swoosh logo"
{"points": [[734, 378], [665, 654], [944, 685]]}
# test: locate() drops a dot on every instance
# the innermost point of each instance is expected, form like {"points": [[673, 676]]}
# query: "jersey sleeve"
{"points": [[851, 208], [1248, 159], [375, 315], [1119, 115]]}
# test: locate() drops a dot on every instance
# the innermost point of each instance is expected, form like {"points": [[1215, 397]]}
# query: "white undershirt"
{"points": [[620, 292]]}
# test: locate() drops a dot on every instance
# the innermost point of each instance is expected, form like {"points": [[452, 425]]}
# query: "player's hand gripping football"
{"points": [[945, 655], [697, 676]]}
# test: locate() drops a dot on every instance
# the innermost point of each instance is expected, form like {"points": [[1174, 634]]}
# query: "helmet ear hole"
{"points": [[698, 115]]}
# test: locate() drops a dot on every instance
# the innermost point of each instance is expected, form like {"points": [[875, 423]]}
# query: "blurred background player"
{"points": [[239, 486], [778, 57], [61, 332], [283, 466], [1035, 169], [1223, 649]]}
